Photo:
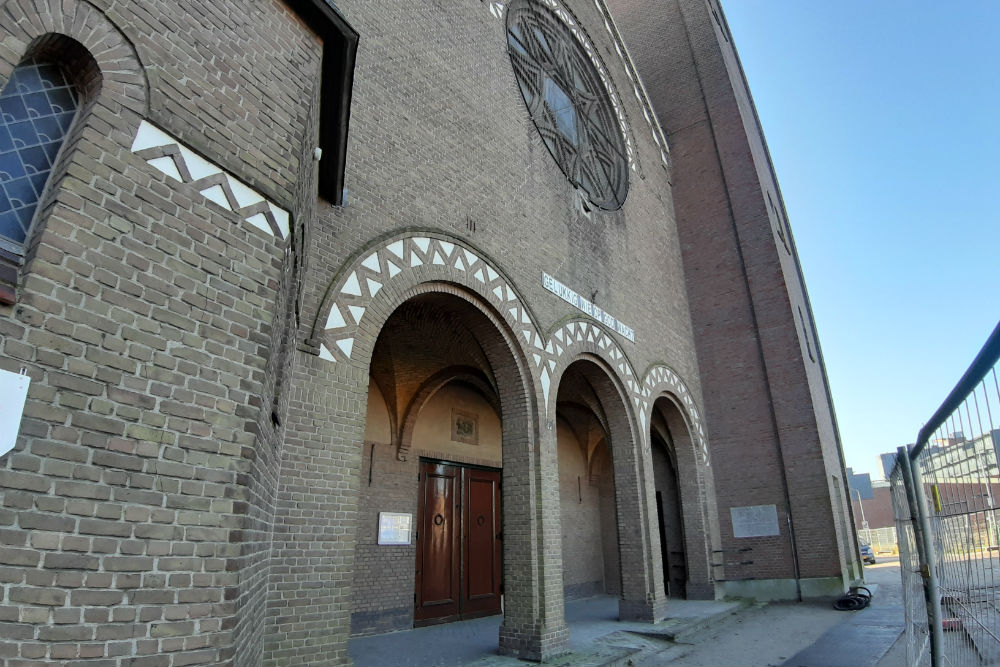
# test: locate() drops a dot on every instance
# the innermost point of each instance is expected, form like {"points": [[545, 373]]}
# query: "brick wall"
{"points": [[761, 367], [137, 501], [382, 597]]}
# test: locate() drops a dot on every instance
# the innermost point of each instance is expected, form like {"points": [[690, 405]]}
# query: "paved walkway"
{"points": [[597, 637], [863, 638]]}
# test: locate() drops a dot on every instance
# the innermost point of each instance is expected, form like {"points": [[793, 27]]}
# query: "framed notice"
{"points": [[754, 521], [394, 528], [13, 391]]}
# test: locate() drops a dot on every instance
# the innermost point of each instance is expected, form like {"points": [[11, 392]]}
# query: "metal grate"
{"points": [[568, 103]]}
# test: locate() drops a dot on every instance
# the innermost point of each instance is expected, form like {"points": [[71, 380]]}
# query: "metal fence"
{"points": [[882, 540], [944, 492]]}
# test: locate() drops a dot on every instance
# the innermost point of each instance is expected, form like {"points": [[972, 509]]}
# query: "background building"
{"points": [[287, 277]]}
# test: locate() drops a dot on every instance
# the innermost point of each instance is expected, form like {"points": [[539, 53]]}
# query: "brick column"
{"points": [[643, 597], [534, 626]]}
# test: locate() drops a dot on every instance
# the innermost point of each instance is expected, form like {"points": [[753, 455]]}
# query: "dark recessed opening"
{"points": [[340, 46]]}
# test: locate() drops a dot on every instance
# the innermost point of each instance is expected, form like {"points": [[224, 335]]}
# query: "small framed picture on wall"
{"points": [[464, 427]]}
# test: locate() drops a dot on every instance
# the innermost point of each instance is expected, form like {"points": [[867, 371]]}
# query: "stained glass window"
{"points": [[37, 107], [568, 102]]}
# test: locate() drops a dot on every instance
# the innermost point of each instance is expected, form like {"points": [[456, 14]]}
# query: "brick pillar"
{"points": [[643, 597], [534, 626]]}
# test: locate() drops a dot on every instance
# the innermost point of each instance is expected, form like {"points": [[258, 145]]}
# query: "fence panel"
{"points": [[915, 610], [960, 475], [945, 491], [882, 540]]}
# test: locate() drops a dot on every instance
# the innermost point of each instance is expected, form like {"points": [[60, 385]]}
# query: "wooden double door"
{"points": [[459, 543]]}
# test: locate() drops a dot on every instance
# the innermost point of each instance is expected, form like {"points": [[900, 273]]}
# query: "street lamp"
{"points": [[864, 522]]}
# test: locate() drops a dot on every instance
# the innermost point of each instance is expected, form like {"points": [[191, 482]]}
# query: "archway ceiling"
{"points": [[576, 387], [658, 425], [581, 407], [424, 336], [582, 423]]}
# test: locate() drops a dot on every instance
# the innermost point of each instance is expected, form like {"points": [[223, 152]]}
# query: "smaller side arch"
{"points": [[579, 337], [659, 380], [642, 596], [673, 425]]}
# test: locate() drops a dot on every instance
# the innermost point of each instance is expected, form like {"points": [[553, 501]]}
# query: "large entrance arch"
{"points": [[434, 436], [360, 427]]}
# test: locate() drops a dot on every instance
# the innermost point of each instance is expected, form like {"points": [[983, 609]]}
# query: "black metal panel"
{"points": [[340, 47]]}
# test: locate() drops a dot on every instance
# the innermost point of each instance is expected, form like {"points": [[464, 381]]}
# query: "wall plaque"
{"points": [[464, 427], [755, 521], [394, 528], [13, 391]]}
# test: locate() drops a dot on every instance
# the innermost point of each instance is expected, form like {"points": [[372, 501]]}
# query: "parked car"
{"points": [[867, 554]]}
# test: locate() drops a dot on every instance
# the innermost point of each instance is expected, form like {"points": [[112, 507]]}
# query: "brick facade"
{"points": [[772, 427], [220, 360]]}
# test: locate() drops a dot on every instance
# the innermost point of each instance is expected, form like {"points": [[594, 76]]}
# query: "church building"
{"points": [[341, 317]]}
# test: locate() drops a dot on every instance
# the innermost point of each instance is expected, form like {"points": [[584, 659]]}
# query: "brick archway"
{"points": [[673, 425], [358, 304], [580, 338], [398, 264], [124, 89], [661, 380], [642, 592]]}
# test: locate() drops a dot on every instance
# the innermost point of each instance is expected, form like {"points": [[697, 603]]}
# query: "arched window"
{"points": [[37, 108]]}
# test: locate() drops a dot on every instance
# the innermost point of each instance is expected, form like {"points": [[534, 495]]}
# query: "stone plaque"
{"points": [[755, 521], [394, 528], [464, 427]]}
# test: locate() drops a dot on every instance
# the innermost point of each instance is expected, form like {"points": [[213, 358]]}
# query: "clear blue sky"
{"points": [[883, 122]]}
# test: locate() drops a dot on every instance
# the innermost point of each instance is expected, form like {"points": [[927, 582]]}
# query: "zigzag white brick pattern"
{"points": [[171, 157], [359, 284]]}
